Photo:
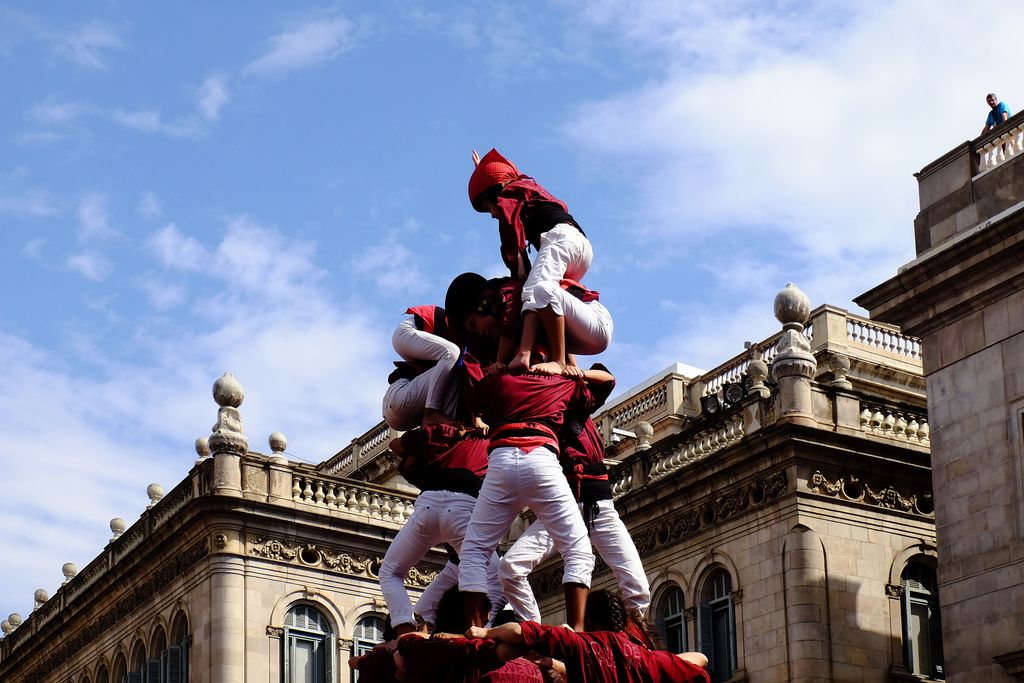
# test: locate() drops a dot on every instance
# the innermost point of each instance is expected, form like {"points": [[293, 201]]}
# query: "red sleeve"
{"points": [[548, 640], [665, 667]]}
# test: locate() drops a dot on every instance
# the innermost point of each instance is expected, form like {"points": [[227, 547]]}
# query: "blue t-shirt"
{"points": [[995, 117]]}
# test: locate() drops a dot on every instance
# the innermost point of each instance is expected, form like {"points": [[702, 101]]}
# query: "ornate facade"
{"points": [[781, 502]]}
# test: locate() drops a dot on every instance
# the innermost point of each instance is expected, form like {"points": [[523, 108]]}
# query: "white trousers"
{"points": [[439, 517], [516, 479], [405, 400], [566, 253], [609, 537]]}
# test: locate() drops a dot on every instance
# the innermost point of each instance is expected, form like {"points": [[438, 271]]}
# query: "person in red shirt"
{"points": [[527, 214], [524, 412], [597, 656], [448, 465], [582, 458]]}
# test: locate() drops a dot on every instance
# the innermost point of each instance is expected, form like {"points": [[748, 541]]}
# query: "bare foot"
{"points": [[520, 362], [549, 368]]}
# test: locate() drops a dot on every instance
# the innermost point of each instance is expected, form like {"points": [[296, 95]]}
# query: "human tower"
{"points": [[496, 416]]}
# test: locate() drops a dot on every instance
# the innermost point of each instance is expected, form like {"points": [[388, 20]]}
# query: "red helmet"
{"points": [[492, 170]]}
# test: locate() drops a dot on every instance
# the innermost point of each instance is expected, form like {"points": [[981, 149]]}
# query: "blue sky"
{"points": [[190, 188]]}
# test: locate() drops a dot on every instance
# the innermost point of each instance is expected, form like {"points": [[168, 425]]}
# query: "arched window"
{"points": [[308, 655], [176, 664], [101, 674], [368, 632], [716, 621], [669, 619], [120, 670], [922, 627], [137, 667]]}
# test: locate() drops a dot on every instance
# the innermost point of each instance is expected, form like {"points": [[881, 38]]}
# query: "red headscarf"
{"points": [[492, 170]]}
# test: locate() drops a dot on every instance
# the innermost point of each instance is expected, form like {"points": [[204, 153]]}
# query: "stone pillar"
{"points": [[807, 616], [227, 619], [794, 366], [228, 442]]}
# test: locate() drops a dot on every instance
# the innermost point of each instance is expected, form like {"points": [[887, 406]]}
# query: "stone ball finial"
{"points": [[6, 627], [792, 307], [117, 527], [40, 596], [227, 391], [278, 444], [203, 447], [15, 619], [69, 570], [155, 493]]}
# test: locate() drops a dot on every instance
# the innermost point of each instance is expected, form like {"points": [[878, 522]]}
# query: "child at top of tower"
{"points": [[552, 297]]}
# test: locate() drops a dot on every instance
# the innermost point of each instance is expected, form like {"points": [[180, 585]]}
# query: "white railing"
{"points": [[699, 446], [883, 337], [640, 406], [1001, 148], [350, 498]]}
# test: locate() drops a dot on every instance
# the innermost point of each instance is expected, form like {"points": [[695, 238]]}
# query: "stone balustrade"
{"points": [[701, 445], [1002, 147], [895, 423], [639, 407], [350, 497], [362, 449], [881, 336]]}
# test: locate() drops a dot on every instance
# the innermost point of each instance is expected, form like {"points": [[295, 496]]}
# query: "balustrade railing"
{"points": [[895, 423], [699, 446], [640, 406], [345, 496], [1001, 148], [882, 336]]}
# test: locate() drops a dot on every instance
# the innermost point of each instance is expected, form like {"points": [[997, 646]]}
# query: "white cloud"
{"points": [[151, 121], [86, 45], [90, 264], [162, 295], [149, 206], [34, 248], [176, 250], [213, 96], [392, 267], [32, 203], [309, 43], [53, 111], [93, 219]]}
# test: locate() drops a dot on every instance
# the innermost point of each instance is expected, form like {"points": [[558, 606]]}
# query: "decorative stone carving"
{"points": [[644, 433], [278, 444], [275, 631], [839, 364], [272, 549], [228, 433], [14, 619], [220, 540], [69, 570], [6, 627], [849, 487], [40, 597], [894, 591], [155, 493], [337, 561], [792, 307]]}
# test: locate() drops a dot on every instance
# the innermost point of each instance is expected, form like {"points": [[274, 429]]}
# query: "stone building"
{"points": [[964, 296], [781, 502]]}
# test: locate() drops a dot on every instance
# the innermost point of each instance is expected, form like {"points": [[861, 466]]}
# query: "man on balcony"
{"points": [[999, 114]]}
